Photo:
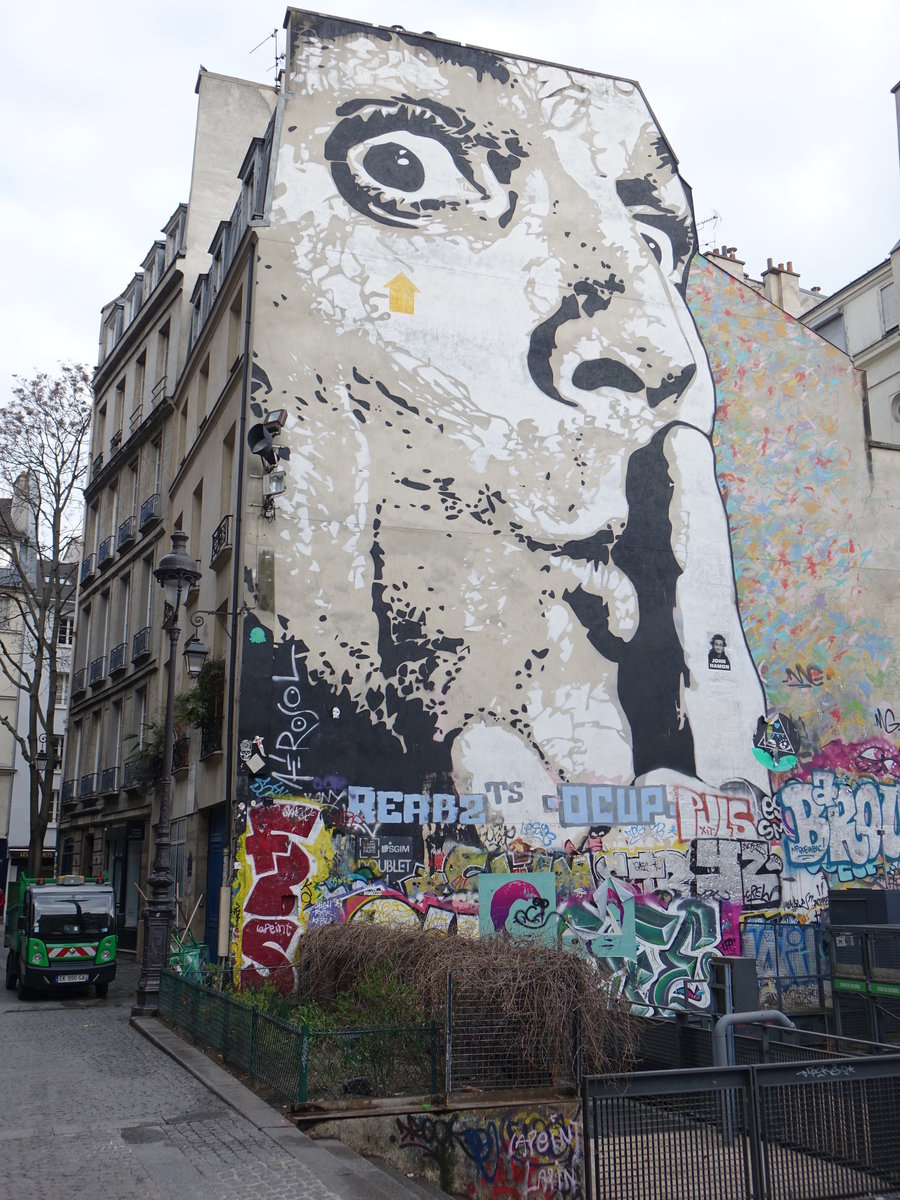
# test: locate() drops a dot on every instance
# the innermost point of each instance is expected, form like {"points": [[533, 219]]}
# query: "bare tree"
{"points": [[43, 463]]}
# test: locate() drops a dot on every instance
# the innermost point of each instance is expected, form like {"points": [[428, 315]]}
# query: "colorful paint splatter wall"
{"points": [[566, 629]]}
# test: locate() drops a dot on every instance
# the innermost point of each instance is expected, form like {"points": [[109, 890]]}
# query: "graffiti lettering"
{"points": [[885, 719], [726, 869], [414, 808], [804, 677], [708, 814], [834, 825], [582, 804]]}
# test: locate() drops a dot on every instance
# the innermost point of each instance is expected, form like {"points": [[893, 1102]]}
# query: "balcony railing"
{"points": [[158, 392], [150, 513], [88, 786], [67, 791], [105, 553], [117, 658], [140, 643], [87, 569], [211, 741], [134, 777], [135, 419], [78, 684], [181, 753], [127, 532], [109, 780], [97, 670], [97, 464], [221, 541]]}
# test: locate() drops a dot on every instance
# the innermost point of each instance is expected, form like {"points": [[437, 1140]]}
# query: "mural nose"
{"points": [[595, 316]]}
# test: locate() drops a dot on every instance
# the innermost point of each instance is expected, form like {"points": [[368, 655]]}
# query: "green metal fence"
{"points": [[299, 1064]]}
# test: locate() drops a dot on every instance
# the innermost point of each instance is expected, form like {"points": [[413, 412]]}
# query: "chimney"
{"points": [[781, 285], [727, 259]]}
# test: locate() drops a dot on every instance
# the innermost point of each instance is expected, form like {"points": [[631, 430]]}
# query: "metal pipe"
{"points": [[762, 1016]]}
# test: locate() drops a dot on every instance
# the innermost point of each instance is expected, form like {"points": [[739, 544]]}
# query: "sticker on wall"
{"points": [[717, 659], [521, 905], [776, 742], [401, 294]]}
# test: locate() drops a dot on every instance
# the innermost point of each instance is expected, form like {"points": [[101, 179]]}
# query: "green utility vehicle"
{"points": [[59, 933]]}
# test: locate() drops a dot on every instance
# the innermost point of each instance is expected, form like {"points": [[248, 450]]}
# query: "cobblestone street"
{"points": [[89, 1107]]}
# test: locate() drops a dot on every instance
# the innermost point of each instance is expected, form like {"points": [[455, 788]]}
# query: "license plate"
{"points": [[71, 979]]}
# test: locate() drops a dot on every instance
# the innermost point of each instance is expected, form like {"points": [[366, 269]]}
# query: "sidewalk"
{"points": [[95, 1103]]}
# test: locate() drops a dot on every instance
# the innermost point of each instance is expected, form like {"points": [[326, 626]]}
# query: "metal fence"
{"points": [[299, 1064], [687, 1042], [800, 1131]]}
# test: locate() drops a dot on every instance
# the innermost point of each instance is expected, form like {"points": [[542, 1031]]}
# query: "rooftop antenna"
{"points": [[279, 58], [714, 221]]}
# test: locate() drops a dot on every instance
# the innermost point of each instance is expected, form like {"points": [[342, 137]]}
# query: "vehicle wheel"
{"points": [[23, 992], [101, 987], [10, 971]]}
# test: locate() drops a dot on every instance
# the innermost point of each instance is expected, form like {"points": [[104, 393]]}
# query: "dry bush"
{"points": [[536, 991]]}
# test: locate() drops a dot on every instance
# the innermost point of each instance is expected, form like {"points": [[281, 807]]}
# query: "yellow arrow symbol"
{"points": [[401, 294]]}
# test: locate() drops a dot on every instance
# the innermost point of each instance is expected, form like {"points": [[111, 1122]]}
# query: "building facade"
{"points": [[542, 565]]}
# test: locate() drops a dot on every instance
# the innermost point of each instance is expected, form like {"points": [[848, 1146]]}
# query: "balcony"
{"points": [[134, 777], [115, 441], [87, 787], [127, 532], [96, 464], [135, 419], [105, 553], [118, 658], [211, 741], [67, 791], [181, 754], [150, 512], [78, 682], [88, 569], [220, 549], [109, 780], [97, 670], [140, 644]]}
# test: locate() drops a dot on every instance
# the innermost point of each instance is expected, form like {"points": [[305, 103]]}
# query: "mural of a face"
{"points": [[504, 521]]}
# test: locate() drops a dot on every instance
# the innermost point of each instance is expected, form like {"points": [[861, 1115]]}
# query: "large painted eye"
{"points": [[401, 165], [402, 176]]}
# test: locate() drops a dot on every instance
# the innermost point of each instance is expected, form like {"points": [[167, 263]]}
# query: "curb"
{"points": [[338, 1168]]}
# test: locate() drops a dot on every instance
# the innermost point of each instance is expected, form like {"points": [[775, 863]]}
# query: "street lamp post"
{"points": [[176, 572]]}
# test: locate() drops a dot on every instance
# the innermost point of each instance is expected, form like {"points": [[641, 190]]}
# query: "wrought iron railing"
{"points": [[105, 553], [87, 786], [181, 753], [97, 670], [140, 643], [78, 684], [221, 540], [115, 441], [150, 512], [67, 791], [127, 532], [97, 463], [133, 776], [211, 741], [117, 658], [109, 780], [87, 568]]}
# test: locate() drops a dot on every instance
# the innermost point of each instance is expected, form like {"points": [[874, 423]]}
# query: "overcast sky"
{"points": [[780, 112]]}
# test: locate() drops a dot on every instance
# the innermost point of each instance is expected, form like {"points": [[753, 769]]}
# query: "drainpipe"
{"points": [[721, 1056], [236, 609]]}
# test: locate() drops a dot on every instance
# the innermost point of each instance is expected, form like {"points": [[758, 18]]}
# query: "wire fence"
{"points": [[299, 1064]]}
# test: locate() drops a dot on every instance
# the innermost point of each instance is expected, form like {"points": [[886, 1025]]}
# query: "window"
{"points": [[179, 829], [65, 635], [62, 690], [888, 298], [203, 389], [140, 717], [833, 331], [162, 353], [235, 314], [157, 466]]}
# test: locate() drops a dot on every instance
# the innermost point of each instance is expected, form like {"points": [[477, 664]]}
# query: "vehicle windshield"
{"points": [[82, 916]]}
